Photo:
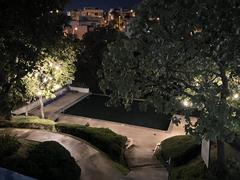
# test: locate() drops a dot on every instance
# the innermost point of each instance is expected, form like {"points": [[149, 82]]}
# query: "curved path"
{"points": [[140, 157], [94, 164]]}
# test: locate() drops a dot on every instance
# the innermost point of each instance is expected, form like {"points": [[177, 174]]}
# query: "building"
{"points": [[92, 12], [84, 20], [76, 29], [75, 14], [88, 18]]}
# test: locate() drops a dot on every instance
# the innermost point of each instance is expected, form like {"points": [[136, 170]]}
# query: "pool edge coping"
{"points": [[118, 123]]}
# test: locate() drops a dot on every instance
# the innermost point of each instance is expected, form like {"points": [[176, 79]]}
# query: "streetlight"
{"points": [[75, 29], [119, 18]]}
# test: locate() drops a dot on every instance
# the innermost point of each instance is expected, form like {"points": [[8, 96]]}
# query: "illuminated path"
{"points": [[140, 157], [94, 164]]}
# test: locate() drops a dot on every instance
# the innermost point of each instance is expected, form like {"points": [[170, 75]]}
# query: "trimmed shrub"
{"points": [[180, 149], [104, 139], [8, 145], [55, 161], [195, 169], [32, 122]]}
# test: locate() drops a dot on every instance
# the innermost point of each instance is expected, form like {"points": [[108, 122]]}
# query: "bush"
{"points": [[55, 161], [8, 145], [194, 169], [181, 149], [47, 160], [104, 139], [21, 165], [32, 122]]}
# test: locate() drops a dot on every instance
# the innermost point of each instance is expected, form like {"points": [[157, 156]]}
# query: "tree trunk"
{"points": [[41, 107], [27, 109], [220, 156], [5, 109]]}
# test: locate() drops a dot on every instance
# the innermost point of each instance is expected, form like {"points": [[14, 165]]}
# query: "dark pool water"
{"points": [[94, 106]]}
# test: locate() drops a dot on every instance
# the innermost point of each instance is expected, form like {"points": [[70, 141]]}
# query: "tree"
{"points": [[26, 27], [55, 70], [182, 52], [92, 47]]}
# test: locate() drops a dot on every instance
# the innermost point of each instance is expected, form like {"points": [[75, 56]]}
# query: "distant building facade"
{"points": [[92, 12], [88, 18], [84, 20]]}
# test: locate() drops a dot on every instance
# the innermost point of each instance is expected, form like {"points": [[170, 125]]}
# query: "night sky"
{"points": [[104, 4]]}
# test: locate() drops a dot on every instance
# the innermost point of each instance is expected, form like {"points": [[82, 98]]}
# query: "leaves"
{"points": [[55, 70], [192, 53], [26, 28]]}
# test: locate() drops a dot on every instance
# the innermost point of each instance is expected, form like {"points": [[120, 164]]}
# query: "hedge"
{"points": [[104, 139], [180, 149], [194, 169], [8, 145], [31, 122]]}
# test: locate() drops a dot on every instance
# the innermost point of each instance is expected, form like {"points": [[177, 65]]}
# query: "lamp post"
{"points": [[119, 22]]}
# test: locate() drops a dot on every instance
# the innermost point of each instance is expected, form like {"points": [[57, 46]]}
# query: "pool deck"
{"points": [[54, 109], [140, 156]]}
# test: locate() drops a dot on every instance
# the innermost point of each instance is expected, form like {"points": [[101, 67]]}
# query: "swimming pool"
{"points": [[93, 106]]}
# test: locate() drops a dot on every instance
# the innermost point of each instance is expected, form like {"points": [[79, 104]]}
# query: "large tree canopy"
{"points": [[92, 47], [182, 51], [55, 70], [26, 26]]}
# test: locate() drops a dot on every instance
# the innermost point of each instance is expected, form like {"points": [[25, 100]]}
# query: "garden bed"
{"points": [[104, 139], [47, 160]]}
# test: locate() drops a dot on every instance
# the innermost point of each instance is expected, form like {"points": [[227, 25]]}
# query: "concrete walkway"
{"points": [[140, 156], [94, 164], [53, 110]]}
